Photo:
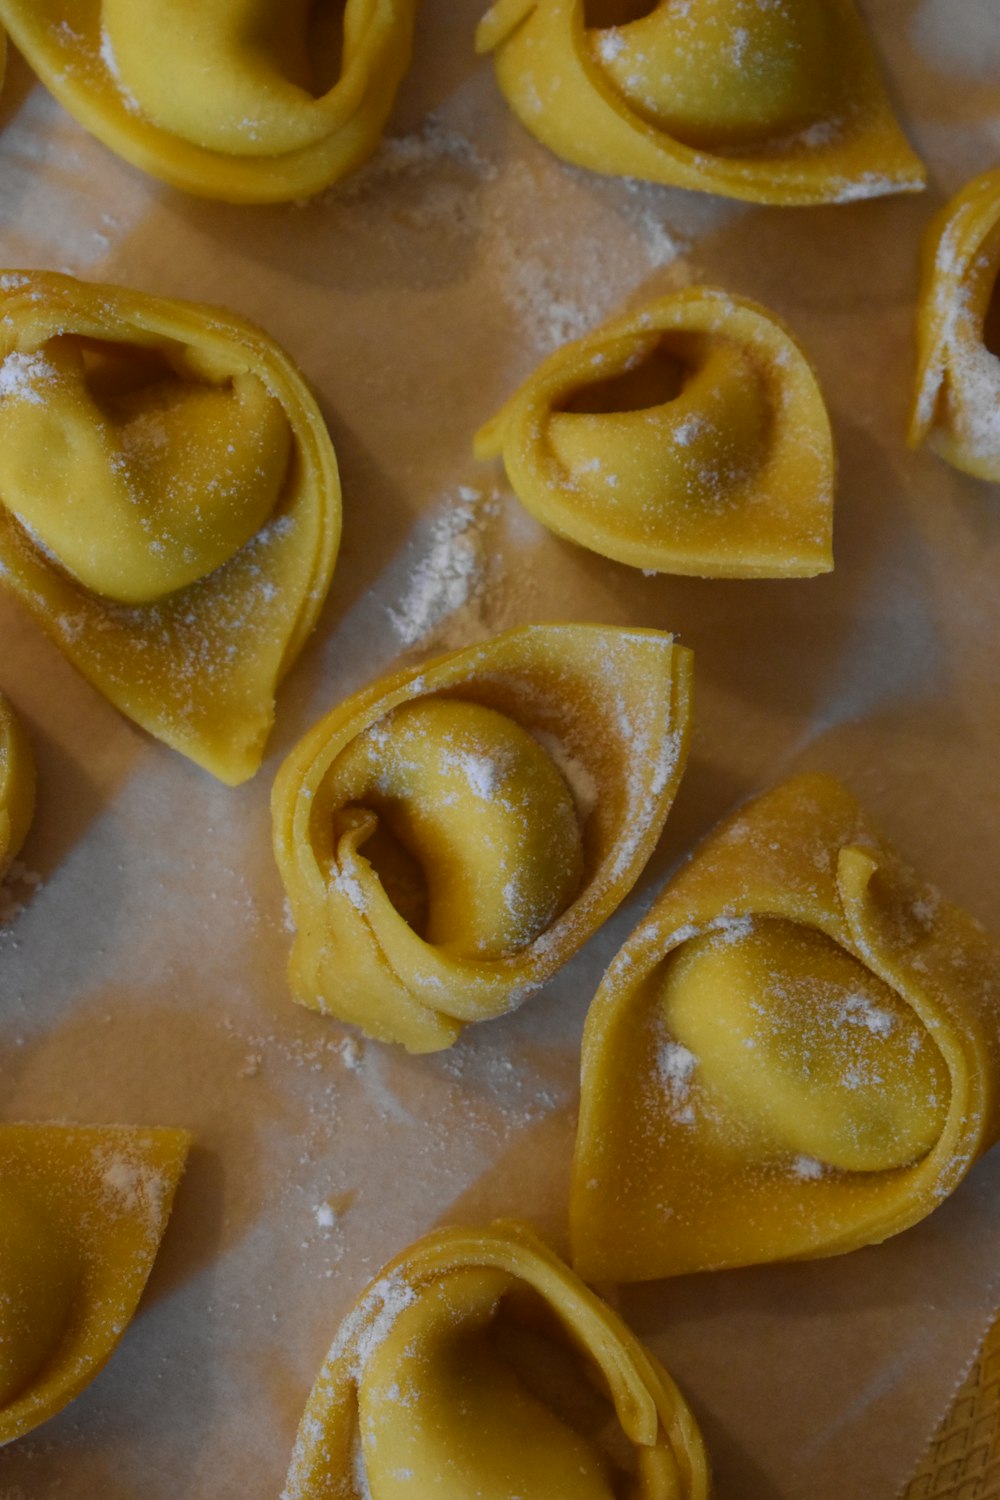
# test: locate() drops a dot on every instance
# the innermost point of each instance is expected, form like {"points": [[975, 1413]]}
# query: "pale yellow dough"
{"points": [[476, 1364], [252, 101], [17, 785], [82, 1212], [779, 103], [169, 505], [451, 835], [956, 405], [795, 1054], [687, 436]]}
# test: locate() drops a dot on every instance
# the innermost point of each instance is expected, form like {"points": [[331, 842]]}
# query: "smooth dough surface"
{"points": [[251, 101], [169, 505], [451, 835], [795, 1054], [17, 785], [956, 406], [82, 1212], [780, 103], [477, 1364], [688, 436]]}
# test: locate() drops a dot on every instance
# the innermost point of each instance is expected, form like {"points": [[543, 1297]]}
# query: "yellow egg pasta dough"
{"points": [[82, 1212], [451, 835], [250, 101], [476, 1364], [795, 1054], [17, 785], [169, 505], [779, 103], [687, 436], [956, 408]]}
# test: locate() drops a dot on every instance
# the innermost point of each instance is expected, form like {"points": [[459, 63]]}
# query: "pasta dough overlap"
{"points": [[82, 1212], [688, 436], [477, 1364], [956, 407], [244, 100], [169, 505], [17, 785], [795, 1054], [779, 103], [452, 834]]}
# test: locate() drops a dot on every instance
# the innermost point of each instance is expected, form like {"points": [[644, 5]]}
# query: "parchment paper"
{"points": [[144, 979]]}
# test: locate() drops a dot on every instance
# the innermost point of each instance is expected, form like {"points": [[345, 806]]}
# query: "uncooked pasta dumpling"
{"points": [[778, 103], [688, 436], [453, 834], [82, 1212], [957, 402], [251, 101], [17, 785], [476, 1364], [795, 1054], [169, 505]]}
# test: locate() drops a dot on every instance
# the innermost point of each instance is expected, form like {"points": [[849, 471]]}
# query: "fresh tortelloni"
{"points": [[956, 407], [797, 1052], [17, 785], [477, 1364], [251, 101], [779, 103], [451, 835], [169, 505], [688, 436], [82, 1212]]}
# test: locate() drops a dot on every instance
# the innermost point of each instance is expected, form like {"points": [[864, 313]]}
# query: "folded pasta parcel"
{"points": [[956, 407], [476, 1364], [17, 785], [250, 101], [169, 505], [687, 436], [452, 834], [797, 1053], [776, 103], [82, 1212]]}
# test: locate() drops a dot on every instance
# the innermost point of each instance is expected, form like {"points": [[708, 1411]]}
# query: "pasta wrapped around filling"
{"points": [[688, 436], [477, 1364], [956, 407], [169, 505], [795, 1054], [17, 786], [82, 1212], [451, 835], [250, 101], [779, 103]]}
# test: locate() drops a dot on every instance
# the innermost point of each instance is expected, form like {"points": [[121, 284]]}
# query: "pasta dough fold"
{"points": [[477, 1364], [956, 408], [82, 1212], [169, 505], [17, 785], [795, 1054], [252, 101], [778, 103], [688, 436], [452, 834]]}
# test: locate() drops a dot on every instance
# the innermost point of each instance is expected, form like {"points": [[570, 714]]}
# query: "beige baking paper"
{"points": [[144, 978]]}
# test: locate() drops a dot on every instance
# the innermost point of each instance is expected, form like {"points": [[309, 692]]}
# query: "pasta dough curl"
{"points": [[82, 1212], [688, 436], [779, 103], [252, 101], [451, 835], [169, 505], [17, 785], [477, 1364], [797, 1053]]}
